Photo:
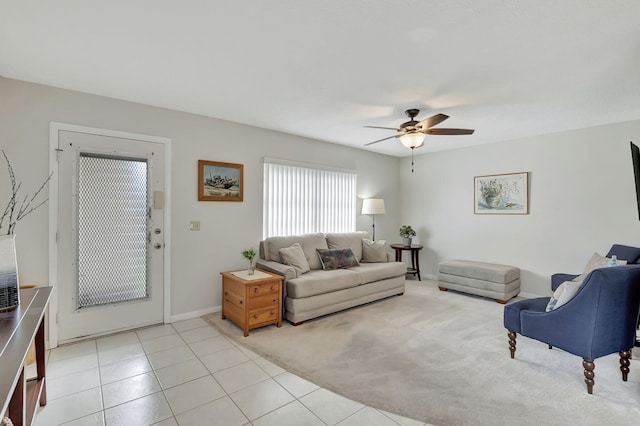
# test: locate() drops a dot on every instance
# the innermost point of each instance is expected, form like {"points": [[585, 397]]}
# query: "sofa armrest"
{"points": [[277, 268], [557, 279]]}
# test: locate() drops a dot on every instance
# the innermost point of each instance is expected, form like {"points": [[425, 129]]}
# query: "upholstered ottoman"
{"points": [[500, 282]]}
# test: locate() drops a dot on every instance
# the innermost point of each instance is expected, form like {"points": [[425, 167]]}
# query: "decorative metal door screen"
{"points": [[112, 212]]}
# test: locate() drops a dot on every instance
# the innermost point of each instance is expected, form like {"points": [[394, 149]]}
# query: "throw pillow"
{"points": [[337, 258], [353, 240], [373, 251], [294, 256], [598, 261], [565, 292]]}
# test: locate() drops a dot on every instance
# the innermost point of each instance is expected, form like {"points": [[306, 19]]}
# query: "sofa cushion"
{"points": [[337, 258], [353, 240], [309, 243], [372, 272], [320, 282], [373, 251], [294, 256], [272, 246]]}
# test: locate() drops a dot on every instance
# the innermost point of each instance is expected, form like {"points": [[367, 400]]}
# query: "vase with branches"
{"points": [[19, 207]]}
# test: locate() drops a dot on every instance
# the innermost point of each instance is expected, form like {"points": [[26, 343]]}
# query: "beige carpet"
{"points": [[443, 358]]}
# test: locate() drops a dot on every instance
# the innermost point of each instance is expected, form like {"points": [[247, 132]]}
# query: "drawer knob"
{"points": [[255, 290], [273, 288], [255, 316]]}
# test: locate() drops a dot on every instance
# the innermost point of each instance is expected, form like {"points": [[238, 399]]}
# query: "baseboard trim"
{"points": [[195, 314]]}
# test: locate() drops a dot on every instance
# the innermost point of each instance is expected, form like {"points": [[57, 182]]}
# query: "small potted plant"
{"points": [[406, 232], [249, 254]]}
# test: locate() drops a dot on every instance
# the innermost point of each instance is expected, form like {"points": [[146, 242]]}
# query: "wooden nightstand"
{"points": [[252, 301]]}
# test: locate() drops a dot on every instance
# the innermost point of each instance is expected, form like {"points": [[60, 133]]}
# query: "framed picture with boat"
{"points": [[219, 181]]}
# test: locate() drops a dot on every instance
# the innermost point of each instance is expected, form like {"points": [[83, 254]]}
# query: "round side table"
{"points": [[414, 249]]}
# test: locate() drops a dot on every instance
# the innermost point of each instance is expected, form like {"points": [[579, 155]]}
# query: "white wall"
{"points": [[582, 197], [226, 228], [582, 200]]}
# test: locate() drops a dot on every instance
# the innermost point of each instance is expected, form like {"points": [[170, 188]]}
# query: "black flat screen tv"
{"points": [[635, 157]]}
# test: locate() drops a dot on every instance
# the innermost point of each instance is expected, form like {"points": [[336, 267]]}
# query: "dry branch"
{"points": [[10, 214]]}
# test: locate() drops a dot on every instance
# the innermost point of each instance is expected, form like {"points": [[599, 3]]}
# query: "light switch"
{"points": [[194, 225]]}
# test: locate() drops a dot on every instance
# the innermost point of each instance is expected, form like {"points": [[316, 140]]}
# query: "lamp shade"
{"points": [[412, 140], [373, 206]]}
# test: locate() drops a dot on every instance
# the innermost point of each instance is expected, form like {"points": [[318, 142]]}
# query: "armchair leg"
{"points": [[512, 342], [624, 363], [588, 373]]}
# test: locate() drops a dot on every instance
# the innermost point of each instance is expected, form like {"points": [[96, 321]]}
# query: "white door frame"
{"points": [[54, 135]]}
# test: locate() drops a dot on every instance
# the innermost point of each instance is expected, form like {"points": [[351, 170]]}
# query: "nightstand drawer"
{"points": [[263, 302], [257, 317], [262, 289]]}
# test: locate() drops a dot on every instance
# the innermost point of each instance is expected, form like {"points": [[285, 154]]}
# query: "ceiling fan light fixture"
{"points": [[413, 139]]}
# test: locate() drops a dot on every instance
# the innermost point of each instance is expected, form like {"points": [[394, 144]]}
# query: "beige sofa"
{"points": [[321, 292]]}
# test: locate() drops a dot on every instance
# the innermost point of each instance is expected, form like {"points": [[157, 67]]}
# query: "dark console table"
{"points": [[414, 249], [18, 329]]}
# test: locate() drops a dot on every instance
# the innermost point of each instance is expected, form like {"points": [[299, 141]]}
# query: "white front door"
{"points": [[110, 234]]}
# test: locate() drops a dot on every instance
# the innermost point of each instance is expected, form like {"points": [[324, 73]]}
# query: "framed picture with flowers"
{"points": [[501, 194]]}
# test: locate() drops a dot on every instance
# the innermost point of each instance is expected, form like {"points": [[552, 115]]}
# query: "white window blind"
{"points": [[302, 198]]}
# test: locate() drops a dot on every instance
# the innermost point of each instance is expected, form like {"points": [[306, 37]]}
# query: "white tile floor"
{"points": [[186, 373]]}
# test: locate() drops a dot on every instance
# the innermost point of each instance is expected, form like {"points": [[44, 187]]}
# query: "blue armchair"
{"points": [[628, 253], [600, 320]]}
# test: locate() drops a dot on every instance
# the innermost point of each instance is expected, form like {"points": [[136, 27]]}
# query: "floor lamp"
{"points": [[373, 206]]}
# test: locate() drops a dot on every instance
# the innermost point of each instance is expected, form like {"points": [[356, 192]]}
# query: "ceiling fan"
{"points": [[412, 133]]}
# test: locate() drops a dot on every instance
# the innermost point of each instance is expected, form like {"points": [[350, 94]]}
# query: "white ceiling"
{"points": [[326, 68]]}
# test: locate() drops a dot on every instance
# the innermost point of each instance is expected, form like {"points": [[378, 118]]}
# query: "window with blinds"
{"points": [[300, 198]]}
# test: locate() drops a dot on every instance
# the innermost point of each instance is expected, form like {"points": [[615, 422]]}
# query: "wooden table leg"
{"points": [[17, 409], [40, 364], [417, 263]]}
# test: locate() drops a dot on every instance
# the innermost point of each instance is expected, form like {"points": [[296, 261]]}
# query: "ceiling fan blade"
{"points": [[380, 140], [385, 128], [449, 131], [432, 121]]}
